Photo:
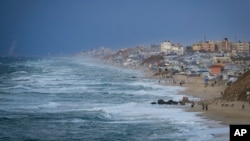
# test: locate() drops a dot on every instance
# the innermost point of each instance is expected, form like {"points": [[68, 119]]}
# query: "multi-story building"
{"points": [[197, 46], [204, 46], [241, 47], [208, 46], [224, 45], [168, 47]]}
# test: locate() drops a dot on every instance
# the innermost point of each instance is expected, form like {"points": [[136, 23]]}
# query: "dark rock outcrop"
{"points": [[169, 102], [161, 101]]}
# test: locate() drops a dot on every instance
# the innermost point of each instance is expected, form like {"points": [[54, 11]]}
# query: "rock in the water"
{"points": [[153, 102], [175, 103], [161, 101]]}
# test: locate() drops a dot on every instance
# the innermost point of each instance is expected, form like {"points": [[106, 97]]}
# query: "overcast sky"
{"points": [[36, 27]]}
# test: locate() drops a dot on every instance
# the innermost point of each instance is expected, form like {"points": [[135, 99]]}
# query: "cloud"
{"points": [[12, 48]]}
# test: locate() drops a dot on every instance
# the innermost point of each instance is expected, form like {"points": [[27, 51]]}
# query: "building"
{"points": [[241, 47], [223, 59], [208, 46], [197, 47], [224, 45], [167, 47], [215, 69]]}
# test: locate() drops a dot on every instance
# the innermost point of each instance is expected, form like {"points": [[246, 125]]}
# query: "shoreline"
{"points": [[211, 119], [225, 112]]}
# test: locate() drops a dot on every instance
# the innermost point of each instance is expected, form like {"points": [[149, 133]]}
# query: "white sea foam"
{"points": [[19, 86], [21, 78], [146, 111], [187, 123], [49, 105]]}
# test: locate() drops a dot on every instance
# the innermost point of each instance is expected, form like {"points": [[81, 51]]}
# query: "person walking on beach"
{"points": [[206, 108], [243, 106], [192, 105], [221, 93], [174, 82]]}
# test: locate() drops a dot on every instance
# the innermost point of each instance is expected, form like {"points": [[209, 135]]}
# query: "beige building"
{"points": [[204, 46], [224, 45], [197, 47], [217, 60], [241, 47]]}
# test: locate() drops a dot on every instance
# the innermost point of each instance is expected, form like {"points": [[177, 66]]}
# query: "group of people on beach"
{"points": [[204, 107]]}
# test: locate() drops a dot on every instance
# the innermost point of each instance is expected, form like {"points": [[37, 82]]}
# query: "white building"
{"points": [[168, 47]]}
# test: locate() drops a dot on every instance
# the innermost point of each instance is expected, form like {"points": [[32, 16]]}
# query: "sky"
{"points": [[39, 27]]}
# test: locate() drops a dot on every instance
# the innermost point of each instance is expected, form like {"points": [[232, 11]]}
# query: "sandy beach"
{"points": [[226, 112]]}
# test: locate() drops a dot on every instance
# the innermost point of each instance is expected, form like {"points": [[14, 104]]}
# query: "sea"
{"points": [[78, 99]]}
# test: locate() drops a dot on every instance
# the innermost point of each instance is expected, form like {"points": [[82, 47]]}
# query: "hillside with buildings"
{"points": [[221, 61]]}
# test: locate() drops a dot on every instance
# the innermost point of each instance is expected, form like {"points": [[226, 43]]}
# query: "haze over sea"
{"points": [[73, 99]]}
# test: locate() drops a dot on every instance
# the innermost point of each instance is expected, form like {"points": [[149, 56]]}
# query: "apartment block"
{"points": [[224, 45], [208, 46], [241, 47]]}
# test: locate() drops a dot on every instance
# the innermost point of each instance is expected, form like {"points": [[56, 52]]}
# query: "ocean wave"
{"points": [[133, 111], [20, 72]]}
